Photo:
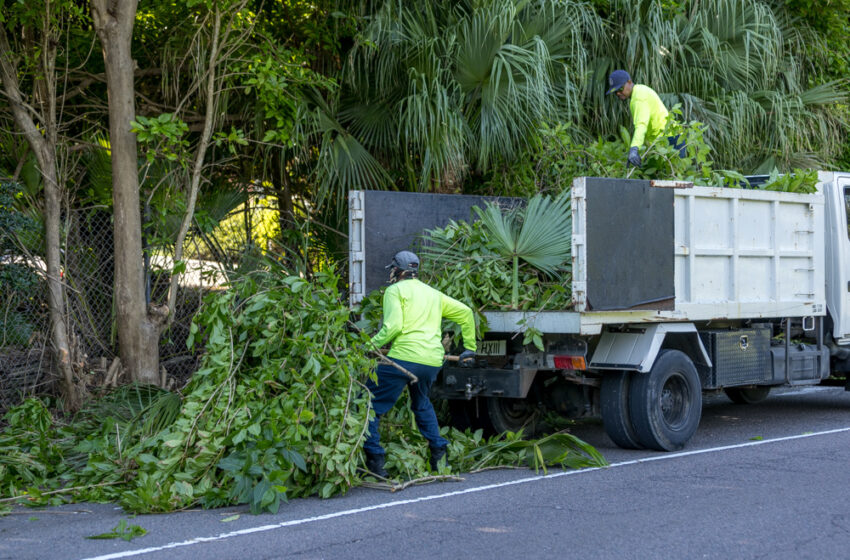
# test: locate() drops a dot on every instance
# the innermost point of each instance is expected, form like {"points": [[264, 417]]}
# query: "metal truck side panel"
{"points": [[738, 254], [629, 239], [744, 253], [636, 347], [356, 256], [551, 322], [382, 223]]}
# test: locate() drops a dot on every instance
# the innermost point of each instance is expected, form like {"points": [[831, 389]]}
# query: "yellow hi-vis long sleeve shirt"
{"points": [[413, 314], [649, 114]]}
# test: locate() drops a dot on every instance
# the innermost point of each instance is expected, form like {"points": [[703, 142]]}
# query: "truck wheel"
{"points": [[513, 415], [614, 402], [665, 403], [747, 395], [468, 415]]}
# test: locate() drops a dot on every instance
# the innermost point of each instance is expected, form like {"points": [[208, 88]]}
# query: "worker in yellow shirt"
{"points": [[649, 114], [413, 315]]}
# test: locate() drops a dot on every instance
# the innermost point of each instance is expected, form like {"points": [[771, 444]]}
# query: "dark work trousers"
{"points": [[674, 141], [385, 393]]}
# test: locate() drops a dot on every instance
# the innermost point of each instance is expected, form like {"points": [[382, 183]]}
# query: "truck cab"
{"points": [[836, 190]]}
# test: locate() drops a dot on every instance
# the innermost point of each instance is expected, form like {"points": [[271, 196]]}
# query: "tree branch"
{"points": [[194, 185]]}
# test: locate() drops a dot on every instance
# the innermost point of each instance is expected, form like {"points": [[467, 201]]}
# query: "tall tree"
{"points": [[138, 327], [35, 113]]}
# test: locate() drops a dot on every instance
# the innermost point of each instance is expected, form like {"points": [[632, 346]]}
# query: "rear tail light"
{"points": [[570, 362]]}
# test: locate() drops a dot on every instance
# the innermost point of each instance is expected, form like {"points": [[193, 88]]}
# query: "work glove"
{"points": [[466, 358], [634, 156]]}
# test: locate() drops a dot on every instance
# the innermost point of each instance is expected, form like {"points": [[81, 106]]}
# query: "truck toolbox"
{"points": [[738, 357]]}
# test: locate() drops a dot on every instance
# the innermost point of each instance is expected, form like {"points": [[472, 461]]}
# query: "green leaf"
{"points": [[122, 531]]}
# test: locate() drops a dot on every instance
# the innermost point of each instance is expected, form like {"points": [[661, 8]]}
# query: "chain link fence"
{"points": [[26, 357]]}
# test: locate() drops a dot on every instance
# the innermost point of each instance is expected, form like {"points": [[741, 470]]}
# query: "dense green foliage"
{"points": [[20, 285], [494, 97], [557, 158], [277, 410], [486, 262], [459, 116]]}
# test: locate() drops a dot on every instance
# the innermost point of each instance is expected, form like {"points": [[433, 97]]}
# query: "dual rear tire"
{"points": [[659, 409]]}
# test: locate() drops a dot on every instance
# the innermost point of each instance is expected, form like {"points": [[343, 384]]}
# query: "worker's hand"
{"points": [[466, 358], [634, 156]]}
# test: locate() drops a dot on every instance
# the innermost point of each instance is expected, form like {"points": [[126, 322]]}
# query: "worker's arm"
{"points": [[640, 117], [461, 314], [393, 319]]}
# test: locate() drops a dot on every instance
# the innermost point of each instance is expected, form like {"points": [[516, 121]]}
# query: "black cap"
{"points": [[616, 80], [405, 260]]}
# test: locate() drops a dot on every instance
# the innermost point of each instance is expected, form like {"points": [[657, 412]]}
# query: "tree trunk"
{"points": [[42, 141], [138, 331]]}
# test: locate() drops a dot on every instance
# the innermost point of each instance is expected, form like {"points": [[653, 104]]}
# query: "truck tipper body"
{"points": [[676, 290]]}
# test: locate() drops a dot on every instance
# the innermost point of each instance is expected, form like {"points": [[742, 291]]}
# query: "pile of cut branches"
{"points": [[510, 258], [277, 410]]}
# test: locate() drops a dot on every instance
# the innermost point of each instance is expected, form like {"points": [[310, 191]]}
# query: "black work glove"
{"points": [[634, 156], [466, 358]]}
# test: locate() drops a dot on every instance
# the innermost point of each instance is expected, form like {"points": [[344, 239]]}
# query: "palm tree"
{"points": [[438, 89]]}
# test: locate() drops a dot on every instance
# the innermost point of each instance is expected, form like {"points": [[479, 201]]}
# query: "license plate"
{"points": [[493, 347]]}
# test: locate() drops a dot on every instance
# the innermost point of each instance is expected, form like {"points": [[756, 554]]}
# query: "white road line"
{"points": [[345, 513]]}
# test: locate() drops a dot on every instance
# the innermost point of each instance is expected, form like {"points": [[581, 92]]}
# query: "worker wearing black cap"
{"points": [[413, 314], [649, 114]]}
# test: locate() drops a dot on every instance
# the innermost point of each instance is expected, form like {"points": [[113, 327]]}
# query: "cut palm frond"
{"points": [[539, 234], [558, 449]]}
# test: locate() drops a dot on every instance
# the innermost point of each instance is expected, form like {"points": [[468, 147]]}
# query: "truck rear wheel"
{"points": [[747, 395], [464, 415], [665, 403], [513, 415], [614, 404]]}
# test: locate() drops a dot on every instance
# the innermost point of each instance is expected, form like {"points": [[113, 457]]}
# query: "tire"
{"points": [[513, 415], [465, 415], [665, 403], [747, 395], [614, 403]]}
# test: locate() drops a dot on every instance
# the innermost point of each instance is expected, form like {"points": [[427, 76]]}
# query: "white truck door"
{"points": [[837, 191]]}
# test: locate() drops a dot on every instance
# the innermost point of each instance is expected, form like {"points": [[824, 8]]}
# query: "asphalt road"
{"points": [[757, 481]]}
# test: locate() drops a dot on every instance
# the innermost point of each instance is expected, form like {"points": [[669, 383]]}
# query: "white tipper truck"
{"points": [[677, 290]]}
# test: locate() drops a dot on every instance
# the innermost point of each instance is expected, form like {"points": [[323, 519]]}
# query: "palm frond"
{"points": [[539, 234], [501, 227], [545, 240], [464, 83]]}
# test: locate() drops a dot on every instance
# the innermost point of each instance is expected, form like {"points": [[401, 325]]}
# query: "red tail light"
{"points": [[570, 362]]}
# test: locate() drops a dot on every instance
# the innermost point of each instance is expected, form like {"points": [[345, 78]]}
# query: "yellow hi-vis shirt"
{"points": [[413, 314], [649, 114]]}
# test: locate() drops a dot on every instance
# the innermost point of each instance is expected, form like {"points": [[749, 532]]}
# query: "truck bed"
{"points": [[728, 253], [640, 253]]}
